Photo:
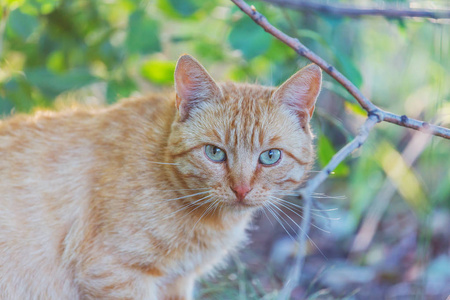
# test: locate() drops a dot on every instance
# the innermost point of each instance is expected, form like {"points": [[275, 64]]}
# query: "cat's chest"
{"points": [[209, 247]]}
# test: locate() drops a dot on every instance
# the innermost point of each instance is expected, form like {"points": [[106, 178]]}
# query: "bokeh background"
{"points": [[383, 216]]}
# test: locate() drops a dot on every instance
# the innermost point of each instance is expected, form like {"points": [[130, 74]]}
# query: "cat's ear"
{"points": [[301, 90], [193, 85]]}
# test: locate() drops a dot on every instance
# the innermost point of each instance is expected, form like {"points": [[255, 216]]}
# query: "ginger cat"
{"points": [[137, 200]]}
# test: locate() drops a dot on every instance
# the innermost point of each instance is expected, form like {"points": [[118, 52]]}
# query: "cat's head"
{"points": [[238, 145]]}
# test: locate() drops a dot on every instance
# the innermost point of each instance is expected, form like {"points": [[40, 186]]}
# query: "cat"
{"points": [[136, 200]]}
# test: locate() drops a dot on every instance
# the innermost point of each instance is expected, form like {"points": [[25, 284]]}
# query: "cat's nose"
{"points": [[241, 191]]}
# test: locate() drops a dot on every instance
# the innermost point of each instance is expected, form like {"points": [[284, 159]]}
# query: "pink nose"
{"points": [[241, 191]]}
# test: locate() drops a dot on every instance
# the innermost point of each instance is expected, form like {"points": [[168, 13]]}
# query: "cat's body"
{"points": [[123, 202]]}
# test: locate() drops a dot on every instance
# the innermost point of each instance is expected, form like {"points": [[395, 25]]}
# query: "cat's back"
{"points": [[39, 155], [48, 167]]}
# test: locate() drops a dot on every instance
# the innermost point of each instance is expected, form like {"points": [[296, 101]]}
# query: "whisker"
{"points": [[263, 210], [314, 225], [164, 190], [301, 207], [326, 218], [204, 214], [276, 216], [299, 227], [187, 206], [314, 195], [162, 163], [325, 196], [287, 223], [198, 206], [187, 196], [312, 209]]}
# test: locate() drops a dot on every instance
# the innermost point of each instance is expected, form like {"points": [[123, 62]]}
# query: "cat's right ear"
{"points": [[193, 85]]}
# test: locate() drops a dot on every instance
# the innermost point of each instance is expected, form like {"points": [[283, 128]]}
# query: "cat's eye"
{"points": [[270, 157], [215, 153]]}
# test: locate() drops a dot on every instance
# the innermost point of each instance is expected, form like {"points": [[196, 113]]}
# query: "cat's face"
{"points": [[240, 145]]}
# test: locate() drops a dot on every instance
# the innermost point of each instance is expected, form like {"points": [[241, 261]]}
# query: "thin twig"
{"points": [[294, 273], [352, 11], [365, 103], [375, 115], [357, 142]]}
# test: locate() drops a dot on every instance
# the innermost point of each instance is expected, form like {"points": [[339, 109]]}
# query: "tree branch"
{"points": [[375, 115], [351, 11], [294, 274], [342, 154], [365, 103]]}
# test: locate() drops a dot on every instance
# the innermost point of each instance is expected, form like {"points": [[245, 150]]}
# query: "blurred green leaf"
{"points": [[36, 7], [185, 7], [142, 34], [158, 71], [250, 38], [348, 68], [55, 62], [118, 89], [355, 108], [22, 24], [53, 84], [403, 177], [5, 107], [325, 152], [11, 4], [21, 94]]}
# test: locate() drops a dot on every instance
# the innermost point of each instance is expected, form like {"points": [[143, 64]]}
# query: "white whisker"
{"points": [[276, 216], [204, 214], [263, 210], [163, 190], [187, 196], [327, 218], [301, 207], [301, 229], [187, 206], [314, 225], [325, 196], [162, 163]]}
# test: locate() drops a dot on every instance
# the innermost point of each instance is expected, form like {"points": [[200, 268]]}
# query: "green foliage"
{"points": [[248, 37], [325, 152], [159, 72], [142, 34], [123, 47]]}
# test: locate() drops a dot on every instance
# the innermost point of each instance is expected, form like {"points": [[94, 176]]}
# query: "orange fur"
{"points": [[122, 202]]}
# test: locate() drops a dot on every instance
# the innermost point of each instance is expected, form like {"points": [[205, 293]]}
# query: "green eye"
{"points": [[215, 153], [270, 157]]}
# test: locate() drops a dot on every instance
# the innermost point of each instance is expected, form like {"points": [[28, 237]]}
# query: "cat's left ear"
{"points": [[193, 85], [301, 90]]}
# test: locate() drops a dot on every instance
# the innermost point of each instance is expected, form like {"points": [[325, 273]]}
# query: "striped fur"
{"points": [[114, 203]]}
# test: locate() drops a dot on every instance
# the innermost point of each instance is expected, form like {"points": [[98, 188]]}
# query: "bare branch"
{"points": [[339, 77], [357, 142], [294, 273], [375, 115], [352, 11]]}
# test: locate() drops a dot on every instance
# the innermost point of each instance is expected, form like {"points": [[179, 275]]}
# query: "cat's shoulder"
{"points": [[79, 112]]}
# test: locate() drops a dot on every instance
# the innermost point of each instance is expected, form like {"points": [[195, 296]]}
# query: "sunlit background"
{"points": [[382, 218]]}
